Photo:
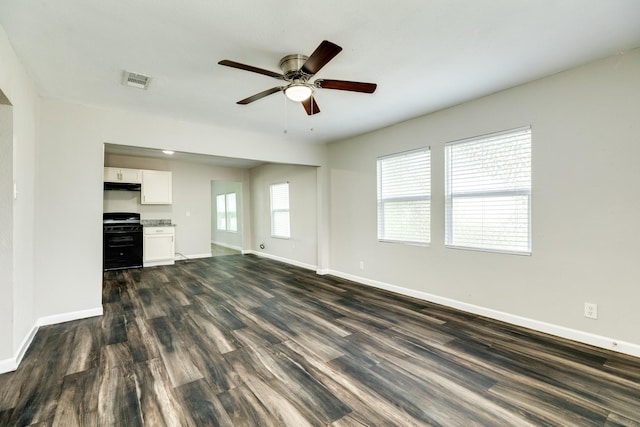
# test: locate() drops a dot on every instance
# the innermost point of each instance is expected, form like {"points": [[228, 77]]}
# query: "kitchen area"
{"points": [[138, 230], [169, 202]]}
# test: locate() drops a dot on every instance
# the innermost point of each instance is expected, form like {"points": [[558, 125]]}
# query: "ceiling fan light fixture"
{"points": [[298, 92]]}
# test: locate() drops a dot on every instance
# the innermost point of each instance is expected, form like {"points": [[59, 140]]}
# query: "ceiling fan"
{"points": [[297, 70]]}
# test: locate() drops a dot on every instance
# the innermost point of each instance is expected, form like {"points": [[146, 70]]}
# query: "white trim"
{"points": [[11, 364], [67, 317], [632, 349], [8, 365], [281, 259], [323, 271], [24, 345], [226, 245], [146, 264]]}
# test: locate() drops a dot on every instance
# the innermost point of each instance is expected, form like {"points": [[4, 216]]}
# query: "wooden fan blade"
{"points": [[260, 95], [324, 53], [346, 85], [251, 68], [311, 106]]}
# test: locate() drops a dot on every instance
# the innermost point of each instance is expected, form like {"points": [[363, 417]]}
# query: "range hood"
{"points": [[121, 186]]}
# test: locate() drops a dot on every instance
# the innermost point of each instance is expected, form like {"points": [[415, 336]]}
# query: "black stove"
{"points": [[122, 238]]}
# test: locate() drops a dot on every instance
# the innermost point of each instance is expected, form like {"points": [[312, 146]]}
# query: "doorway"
{"points": [[226, 218]]}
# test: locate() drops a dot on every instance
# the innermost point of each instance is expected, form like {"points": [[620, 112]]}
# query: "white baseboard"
{"points": [[631, 349], [281, 259], [11, 364], [146, 264], [8, 365], [226, 245], [67, 317]]}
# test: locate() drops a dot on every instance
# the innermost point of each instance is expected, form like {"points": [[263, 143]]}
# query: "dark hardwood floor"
{"points": [[217, 250], [244, 341]]}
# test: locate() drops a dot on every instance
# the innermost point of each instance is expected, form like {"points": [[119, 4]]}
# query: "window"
{"points": [[280, 211], [232, 215], [222, 212], [404, 197], [227, 216], [488, 192]]}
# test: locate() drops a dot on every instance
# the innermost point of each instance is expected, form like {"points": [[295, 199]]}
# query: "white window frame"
{"points": [[223, 216], [221, 212], [229, 212], [398, 197], [450, 196], [277, 212]]}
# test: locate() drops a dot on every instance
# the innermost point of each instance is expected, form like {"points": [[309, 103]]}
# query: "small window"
{"points": [[488, 192], [227, 216], [404, 197], [232, 215], [280, 226], [222, 212]]}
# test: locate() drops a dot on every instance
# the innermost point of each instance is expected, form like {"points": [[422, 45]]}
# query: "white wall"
{"points": [[586, 203], [6, 227], [232, 239], [302, 247], [17, 315]]}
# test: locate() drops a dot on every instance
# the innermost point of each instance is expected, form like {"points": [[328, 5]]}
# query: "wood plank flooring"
{"points": [[217, 250], [243, 341]]}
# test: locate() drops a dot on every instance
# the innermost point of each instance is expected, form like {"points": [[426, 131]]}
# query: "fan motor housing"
{"points": [[290, 66]]}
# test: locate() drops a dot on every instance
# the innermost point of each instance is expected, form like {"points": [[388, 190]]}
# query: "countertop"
{"points": [[157, 223]]}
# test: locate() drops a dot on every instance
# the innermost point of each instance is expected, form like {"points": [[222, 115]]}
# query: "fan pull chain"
{"points": [[286, 116]]}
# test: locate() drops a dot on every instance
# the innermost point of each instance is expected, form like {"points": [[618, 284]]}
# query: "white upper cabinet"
{"points": [[156, 188], [133, 176]]}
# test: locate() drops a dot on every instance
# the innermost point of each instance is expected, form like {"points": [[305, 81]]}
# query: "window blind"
{"points": [[280, 226], [488, 192], [404, 197]]}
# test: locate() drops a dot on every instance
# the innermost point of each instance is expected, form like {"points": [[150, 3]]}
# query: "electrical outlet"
{"points": [[361, 265], [590, 310]]}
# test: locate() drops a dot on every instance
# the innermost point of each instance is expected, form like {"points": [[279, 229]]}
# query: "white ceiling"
{"points": [[424, 55]]}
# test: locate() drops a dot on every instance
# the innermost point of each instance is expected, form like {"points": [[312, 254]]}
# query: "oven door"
{"points": [[122, 248]]}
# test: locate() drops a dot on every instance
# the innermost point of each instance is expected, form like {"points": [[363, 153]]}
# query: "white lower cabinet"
{"points": [[159, 246]]}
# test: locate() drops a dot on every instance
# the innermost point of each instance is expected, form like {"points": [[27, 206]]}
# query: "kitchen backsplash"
{"points": [[129, 201]]}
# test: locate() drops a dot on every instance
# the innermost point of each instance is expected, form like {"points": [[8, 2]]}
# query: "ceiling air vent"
{"points": [[135, 80]]}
